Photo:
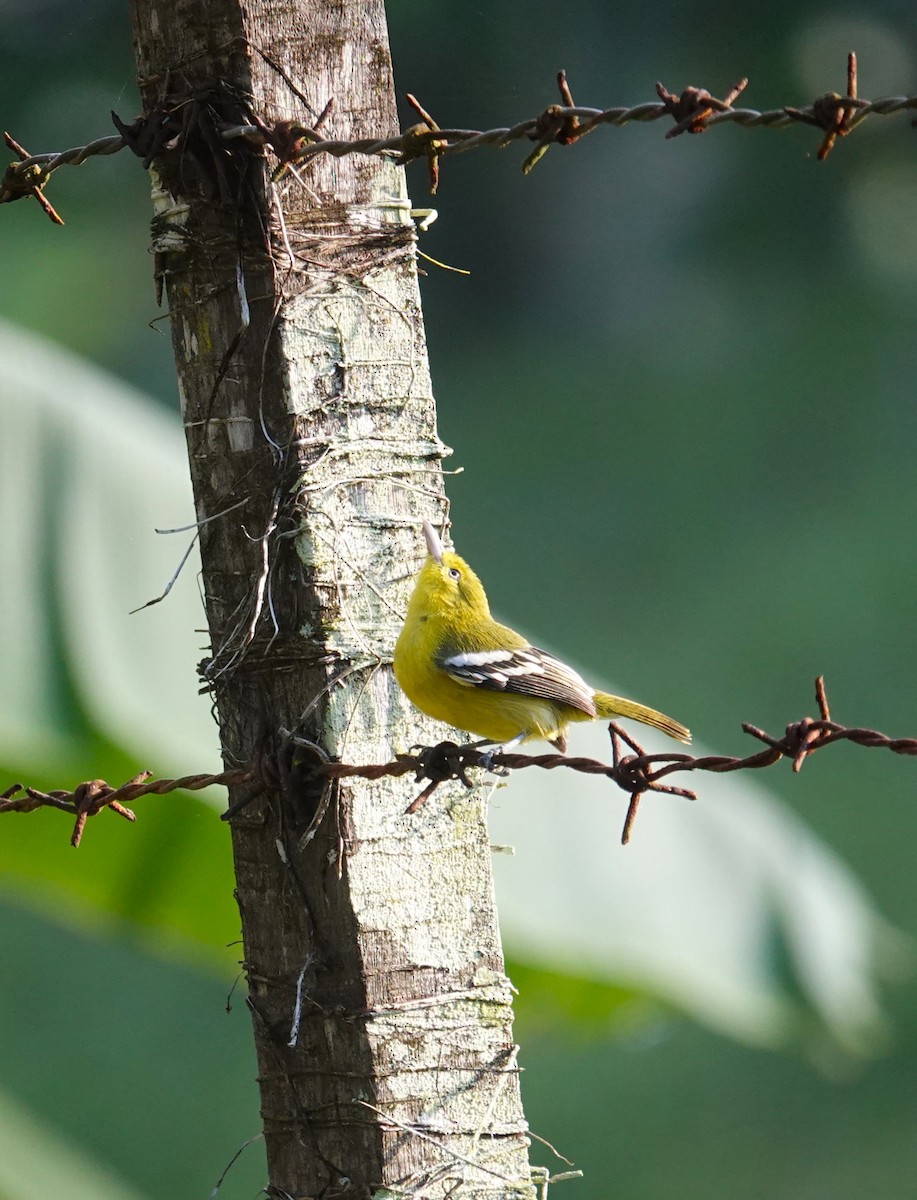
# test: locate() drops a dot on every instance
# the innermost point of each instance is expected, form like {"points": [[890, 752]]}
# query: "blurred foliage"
{"points": [[587, 1008], [698, 355], [168, 1123]]}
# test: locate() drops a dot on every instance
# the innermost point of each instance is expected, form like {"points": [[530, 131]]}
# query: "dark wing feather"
{"points": [[526, 671]]}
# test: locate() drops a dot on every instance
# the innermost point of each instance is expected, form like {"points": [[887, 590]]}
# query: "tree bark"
{"points": [[381, 1010]]}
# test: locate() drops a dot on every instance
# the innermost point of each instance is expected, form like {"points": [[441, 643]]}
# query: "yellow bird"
{"points": [[456, 663]]}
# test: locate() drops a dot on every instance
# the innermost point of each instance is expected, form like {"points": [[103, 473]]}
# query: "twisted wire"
{"points": [[75, 156]]}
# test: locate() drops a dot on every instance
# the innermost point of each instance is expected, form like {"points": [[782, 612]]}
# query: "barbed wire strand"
{"points": [[694, 110], [635, 773]]}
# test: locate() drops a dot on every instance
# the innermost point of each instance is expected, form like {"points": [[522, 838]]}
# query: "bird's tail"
{"points": [[617, 706]]}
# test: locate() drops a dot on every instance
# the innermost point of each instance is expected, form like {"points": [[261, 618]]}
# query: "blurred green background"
{"points": [[680, 383]]}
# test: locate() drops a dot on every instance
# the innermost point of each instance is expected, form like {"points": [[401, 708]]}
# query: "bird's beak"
{"points": [[434, 545]]}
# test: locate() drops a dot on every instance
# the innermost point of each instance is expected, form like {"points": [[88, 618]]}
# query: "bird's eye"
{"points": [[455, 573]]}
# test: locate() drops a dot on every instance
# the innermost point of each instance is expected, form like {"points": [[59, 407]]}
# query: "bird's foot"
{"points": [[486, 760]]}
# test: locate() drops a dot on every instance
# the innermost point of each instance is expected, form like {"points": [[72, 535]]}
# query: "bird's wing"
{"points": [[525, 671]]}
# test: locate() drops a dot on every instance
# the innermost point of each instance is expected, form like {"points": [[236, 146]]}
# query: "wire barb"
{"points": [[695, 106], [555, 125], [417, 145], [832, 112], [26, 178], [288, 139]]}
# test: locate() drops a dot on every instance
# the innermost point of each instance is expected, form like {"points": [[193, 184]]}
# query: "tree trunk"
{"points": [[381, 1011]]}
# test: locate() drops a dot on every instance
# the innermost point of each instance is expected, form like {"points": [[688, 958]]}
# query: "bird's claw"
{"points": [[486, 760]]}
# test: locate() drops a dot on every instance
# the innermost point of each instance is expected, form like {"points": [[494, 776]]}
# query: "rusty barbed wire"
{"points": [[833, 113], [694, 110], [28, 175], [635, 773], [90, 798]]}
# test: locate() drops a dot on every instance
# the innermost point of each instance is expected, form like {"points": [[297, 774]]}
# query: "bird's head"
{"points": [[447, 583]]}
